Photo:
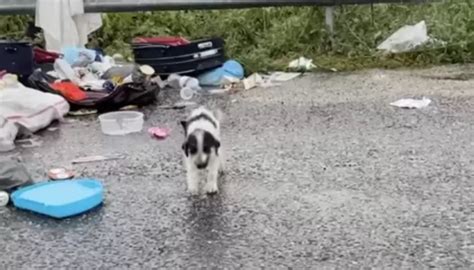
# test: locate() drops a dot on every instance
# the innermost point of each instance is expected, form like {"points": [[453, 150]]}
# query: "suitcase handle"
{"points": [[11, 49]]}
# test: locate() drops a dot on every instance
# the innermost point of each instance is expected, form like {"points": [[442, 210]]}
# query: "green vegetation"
{"points": [[268, 38]]}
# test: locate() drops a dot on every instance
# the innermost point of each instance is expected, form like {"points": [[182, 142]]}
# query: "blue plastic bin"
{"points": [[60, 199]]}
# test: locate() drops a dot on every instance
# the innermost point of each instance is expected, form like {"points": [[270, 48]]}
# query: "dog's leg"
{"points": [[222, 166], [222, 162], [192, 178], [212, 175]]}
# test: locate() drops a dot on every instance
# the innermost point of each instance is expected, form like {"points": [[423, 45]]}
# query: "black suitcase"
{"points": [[192, 58], [16, 57]]}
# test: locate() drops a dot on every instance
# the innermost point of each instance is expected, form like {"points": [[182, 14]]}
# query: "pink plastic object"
{"points": [[159, 133]]}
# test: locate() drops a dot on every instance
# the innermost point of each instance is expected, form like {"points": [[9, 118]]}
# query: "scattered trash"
{"points": [[230, 72], [60, 199], [218, 91], [30, 142], [406, 38], [412, 103], [178, 105], [252, 81], [129, 108], [159, 133], [141, 74], [65, 72], [90, 159], [70, 121], [8, 133], [186, 93], [187, 85], [284, 76], [60, 174], [4, 198], [76, 56], [257, 80], [101, 85], [121, 123], [13, 174], [82, 112], [229, 81], [118, 73], [52, 129], [70, 90], [302, 64]]}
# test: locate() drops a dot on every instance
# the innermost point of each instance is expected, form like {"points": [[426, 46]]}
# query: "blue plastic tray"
{"points": [[60, 199]]}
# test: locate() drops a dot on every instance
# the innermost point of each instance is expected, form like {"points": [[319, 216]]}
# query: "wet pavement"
{"points": [[322, 174]]}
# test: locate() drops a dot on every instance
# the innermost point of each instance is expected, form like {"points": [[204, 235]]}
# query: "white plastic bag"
{"points": [[406, 38], [410, 103], [29, 108], [8, 132], [302, 64]]}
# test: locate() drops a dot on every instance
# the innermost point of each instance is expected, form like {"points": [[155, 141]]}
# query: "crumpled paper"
{"points": [[409, 103]]}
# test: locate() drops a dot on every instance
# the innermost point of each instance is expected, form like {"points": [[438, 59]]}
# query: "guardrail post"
{"points": [[330, 19]]}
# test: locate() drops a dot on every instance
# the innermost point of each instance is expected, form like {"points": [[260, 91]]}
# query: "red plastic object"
{"points": [[69, 90], [43, 56], [164, 40]]}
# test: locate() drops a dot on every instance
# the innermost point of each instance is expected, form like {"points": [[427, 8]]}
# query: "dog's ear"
{"points": [[184, 146], [183, 124]]}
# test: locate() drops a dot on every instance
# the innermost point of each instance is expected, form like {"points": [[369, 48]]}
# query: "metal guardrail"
{"points": [[9, 7]]}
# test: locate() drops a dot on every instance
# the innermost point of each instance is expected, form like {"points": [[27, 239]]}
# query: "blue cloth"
{"points": [[231, 68], [71, 55]]}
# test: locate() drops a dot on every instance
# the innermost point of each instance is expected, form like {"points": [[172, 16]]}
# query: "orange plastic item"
{"points": [[69, 90]]}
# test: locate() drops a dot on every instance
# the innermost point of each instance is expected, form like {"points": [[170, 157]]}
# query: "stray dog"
{"points": [[201, 149]]}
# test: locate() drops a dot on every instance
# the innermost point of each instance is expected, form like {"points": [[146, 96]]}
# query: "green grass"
{"points": [[267, 38]]}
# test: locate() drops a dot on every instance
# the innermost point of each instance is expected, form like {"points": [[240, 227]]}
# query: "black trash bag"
{"points": [[13, 175], [123, 95]]}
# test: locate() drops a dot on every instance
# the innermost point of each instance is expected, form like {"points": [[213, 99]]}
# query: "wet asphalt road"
{"points": [[322, 174]]}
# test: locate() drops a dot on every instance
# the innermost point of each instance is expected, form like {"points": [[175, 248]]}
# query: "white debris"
{"points": [[409, 103], [89, 159], [283, 76], [252, 81], [302, 63], [406, 38]]}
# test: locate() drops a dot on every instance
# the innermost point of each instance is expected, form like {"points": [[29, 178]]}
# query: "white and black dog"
{"points": [[201, 149]]}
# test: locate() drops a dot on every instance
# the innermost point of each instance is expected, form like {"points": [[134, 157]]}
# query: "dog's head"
{"points": [[200, 146]]}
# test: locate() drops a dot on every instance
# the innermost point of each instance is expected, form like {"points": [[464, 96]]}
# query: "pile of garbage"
{"points": [[89, 80]]}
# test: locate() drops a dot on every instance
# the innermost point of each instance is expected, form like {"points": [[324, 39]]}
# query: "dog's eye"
{"points": [[206, 149], [193, 150]]}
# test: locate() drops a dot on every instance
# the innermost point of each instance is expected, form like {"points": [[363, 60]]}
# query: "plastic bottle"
{"points": [[186, 93], [65, 71], [188, 85]]}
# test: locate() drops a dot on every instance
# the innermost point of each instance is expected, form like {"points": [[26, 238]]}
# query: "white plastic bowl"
{"points": [[121, 123]]}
